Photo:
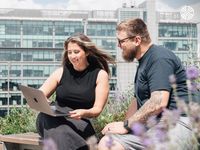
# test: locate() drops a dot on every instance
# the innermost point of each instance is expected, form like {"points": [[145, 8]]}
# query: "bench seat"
{"points": [[23, 141]]}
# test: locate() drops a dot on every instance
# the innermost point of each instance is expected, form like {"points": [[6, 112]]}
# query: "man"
{"points": [[153, 91]]}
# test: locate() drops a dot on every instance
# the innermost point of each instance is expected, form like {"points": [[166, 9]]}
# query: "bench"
{"points": [[23, 141]]}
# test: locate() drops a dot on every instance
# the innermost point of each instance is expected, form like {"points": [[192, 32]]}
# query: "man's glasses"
{"points": [[120, 42]]}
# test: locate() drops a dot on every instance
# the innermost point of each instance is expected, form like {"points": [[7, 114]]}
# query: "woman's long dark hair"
{"points": [[95, 56]]}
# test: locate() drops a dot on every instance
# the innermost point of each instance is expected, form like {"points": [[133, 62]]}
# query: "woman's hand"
{"points": [[77, 114]]}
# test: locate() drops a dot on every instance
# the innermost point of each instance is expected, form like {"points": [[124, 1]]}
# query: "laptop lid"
{"points": [[38, 101]]}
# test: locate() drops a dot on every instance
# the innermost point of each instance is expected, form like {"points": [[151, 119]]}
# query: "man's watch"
{"points": [[126, 126]]}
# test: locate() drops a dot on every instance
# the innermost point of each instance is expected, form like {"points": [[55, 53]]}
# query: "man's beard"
{"points": [[129, 55]]}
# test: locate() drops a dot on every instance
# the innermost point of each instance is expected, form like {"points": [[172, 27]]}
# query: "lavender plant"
{"points": [[49, 144], [114, 111], [162, 135]]}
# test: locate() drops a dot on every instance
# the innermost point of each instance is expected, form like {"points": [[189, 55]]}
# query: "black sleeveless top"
{"points": [[77, 88]]}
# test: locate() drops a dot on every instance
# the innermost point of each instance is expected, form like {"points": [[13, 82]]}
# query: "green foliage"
{"points": [[20, 120], [115, 110], [53, 97], [105, 118]]}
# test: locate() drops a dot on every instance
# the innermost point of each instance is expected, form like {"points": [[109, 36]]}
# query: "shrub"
{"points": [[114, 111], [19, 120]]}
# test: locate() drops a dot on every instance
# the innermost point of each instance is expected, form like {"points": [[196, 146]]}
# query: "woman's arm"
{"points": [[101, 96], [51, 83]]}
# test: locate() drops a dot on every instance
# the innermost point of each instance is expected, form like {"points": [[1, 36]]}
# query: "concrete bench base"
{"points": [[25, 141]]}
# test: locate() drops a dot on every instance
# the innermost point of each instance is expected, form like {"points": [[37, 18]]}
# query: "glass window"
{"points": [[35, 83], [37, 28], [3, 99], [37, 70], [101, 29], [113, 84], [2, 29], [68, 28], [177, 30], [15, 71], [10, 55], [107, 44], [59, 43], [179, 45], [3, 70], [58, 56], [15, 99]]}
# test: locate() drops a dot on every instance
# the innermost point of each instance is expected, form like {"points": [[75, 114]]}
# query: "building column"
{"points": [[152, 22]]}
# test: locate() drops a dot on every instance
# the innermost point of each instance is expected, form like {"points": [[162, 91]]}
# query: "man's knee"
{"points": [[108, 143], [102, 143]]}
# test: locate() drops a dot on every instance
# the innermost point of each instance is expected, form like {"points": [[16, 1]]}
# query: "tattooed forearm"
{"points": [[151, 107]]}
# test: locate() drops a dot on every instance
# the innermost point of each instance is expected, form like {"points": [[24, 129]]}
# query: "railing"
{"points": [[195, 63]]}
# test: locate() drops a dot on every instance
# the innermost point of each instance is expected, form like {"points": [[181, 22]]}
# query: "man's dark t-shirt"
{"points": [[153, 72]]}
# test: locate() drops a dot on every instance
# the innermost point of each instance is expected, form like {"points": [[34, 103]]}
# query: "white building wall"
{"points": [[152, 23], [126, 71], [198, 37], [125, 75]]}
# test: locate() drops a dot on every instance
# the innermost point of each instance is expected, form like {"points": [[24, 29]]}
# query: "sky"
{"points": [[90, 4], [67, 4]]}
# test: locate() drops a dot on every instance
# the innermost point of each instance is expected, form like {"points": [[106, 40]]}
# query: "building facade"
{"points": [[31, 43], [31, 46]]}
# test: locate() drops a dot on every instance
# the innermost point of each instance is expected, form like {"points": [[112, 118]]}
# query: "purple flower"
{"points": [[152, 121], [192, 72], [92, 143], [182, 106], [49, 144], [161, 135], [110, 142], [198, 86], [172, 79], [176, 114], [192, 86], [171, 116], [148, 142], [138, 129]]}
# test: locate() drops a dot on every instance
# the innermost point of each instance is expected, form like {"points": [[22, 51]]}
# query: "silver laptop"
{"points": [[38, 101]]}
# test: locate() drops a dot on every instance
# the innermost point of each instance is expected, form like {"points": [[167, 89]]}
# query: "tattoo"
{"points": [[151, 107]]}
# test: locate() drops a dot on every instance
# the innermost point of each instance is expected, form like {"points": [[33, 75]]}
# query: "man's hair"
{"points": [[135, 27]]}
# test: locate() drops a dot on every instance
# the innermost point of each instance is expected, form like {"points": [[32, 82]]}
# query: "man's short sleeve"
{"points": [[158, 74]]}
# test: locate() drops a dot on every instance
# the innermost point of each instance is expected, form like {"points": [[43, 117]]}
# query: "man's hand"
{"points": [[114, 127]]}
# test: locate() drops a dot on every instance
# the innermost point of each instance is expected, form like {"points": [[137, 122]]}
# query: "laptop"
{"points": [[38, 101]]}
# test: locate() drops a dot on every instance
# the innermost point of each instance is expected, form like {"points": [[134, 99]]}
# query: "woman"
{"points": [[80, 84]]}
